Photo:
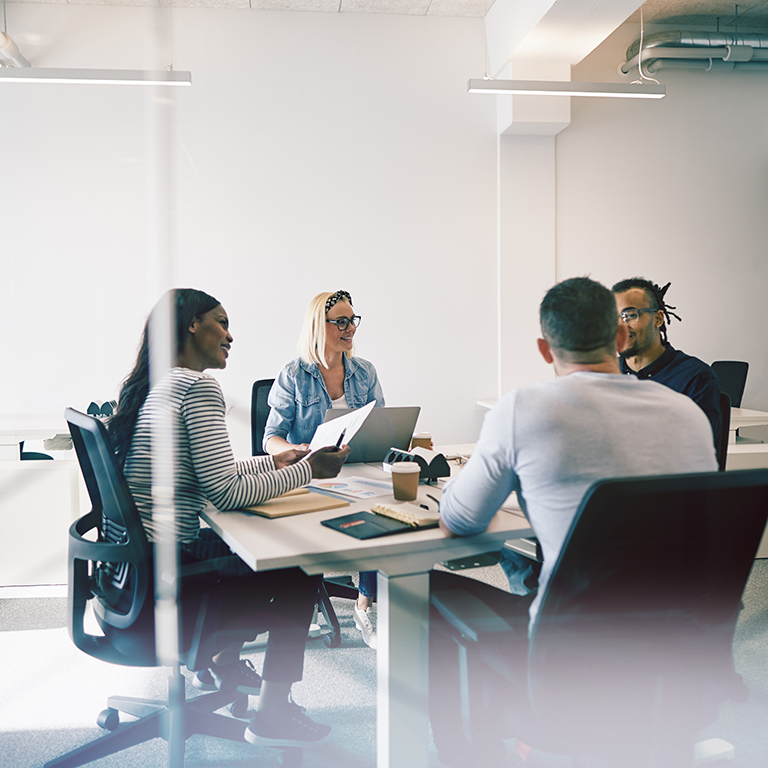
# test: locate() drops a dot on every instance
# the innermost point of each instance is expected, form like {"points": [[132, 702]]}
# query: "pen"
{"points": [[341, 437]]}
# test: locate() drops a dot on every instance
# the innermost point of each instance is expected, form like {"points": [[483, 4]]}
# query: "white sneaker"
{"points": [[363, 623]]}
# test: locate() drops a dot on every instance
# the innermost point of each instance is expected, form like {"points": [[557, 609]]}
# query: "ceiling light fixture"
{"points": [[548, 88], [93, 76]]}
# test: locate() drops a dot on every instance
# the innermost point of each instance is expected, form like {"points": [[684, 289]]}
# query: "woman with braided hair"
{"points": [[649, 355], [325, 375]]}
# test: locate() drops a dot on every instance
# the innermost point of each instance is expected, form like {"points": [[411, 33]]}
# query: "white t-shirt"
{"points": [[551, 441]]}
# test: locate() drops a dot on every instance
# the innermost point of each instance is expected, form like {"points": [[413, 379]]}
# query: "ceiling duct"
{"points": [[707, 51]]}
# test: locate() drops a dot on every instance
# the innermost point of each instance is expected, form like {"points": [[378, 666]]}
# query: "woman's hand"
{"points": [[291, 456], [326, 462]]}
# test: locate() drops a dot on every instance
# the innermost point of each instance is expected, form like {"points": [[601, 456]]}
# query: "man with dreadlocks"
{"points": [[649, 355]]}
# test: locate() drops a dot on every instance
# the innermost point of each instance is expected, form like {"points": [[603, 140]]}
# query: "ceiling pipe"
{"points": [[678, 49], [10, 54]]}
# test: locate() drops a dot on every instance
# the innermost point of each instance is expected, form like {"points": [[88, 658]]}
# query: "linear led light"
{"points": [[546, 88], [93, 76]]}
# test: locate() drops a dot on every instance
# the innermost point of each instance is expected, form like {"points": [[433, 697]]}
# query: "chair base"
{"points": [[155, 720]]}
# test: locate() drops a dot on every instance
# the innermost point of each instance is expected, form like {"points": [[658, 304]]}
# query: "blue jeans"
{"points": [[367, 586]]}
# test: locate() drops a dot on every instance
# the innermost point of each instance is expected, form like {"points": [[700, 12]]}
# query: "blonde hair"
{"points": [[311, 346]]}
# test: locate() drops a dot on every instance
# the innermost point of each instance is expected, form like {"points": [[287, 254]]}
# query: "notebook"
{"points": [[385, 428], [295, 503], [389, 519]]}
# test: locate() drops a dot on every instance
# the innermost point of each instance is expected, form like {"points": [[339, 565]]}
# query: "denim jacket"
{"points": [[298, 399]]}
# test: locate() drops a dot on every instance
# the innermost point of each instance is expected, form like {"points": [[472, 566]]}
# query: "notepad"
{"points": [[412, 514], [293, 503]]}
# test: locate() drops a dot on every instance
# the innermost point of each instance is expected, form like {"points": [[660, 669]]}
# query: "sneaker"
{"points": [[363, 623], [204, 681], [291, 728], [240, 676]]}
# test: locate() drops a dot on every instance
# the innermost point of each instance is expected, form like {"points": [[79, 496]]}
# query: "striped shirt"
{"points": [[205, 469]]}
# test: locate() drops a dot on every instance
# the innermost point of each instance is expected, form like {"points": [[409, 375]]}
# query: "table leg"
{"points": [[403, 671]]}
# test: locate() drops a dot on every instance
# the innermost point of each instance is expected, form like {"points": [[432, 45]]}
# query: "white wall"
{"points": [[675, 190], [313, 152]]}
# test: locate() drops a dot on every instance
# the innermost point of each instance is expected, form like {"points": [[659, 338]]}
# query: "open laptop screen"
{"points": [[385, 428]]}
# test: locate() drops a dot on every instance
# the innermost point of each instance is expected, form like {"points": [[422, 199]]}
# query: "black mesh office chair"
{"points": [[341, 586], [630, 654], [114, 574], [732, 376]]}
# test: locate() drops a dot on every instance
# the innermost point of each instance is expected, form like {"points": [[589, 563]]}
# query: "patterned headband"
{"points": [[337, 297]]}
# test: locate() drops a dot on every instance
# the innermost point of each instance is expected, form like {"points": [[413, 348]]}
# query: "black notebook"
{"points": [[366, 525]]}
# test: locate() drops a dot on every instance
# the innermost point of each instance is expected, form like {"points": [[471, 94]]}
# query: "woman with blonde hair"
{"points": [[325, 375]]}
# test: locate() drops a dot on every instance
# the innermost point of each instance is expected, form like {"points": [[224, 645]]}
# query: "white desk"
{"points": [[744, 417], [403, 562], [16, 428]]}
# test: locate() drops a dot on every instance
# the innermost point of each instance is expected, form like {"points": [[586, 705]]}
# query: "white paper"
{"points": [[354, 487], [328, 434]]}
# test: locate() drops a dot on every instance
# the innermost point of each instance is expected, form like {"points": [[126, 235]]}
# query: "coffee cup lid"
{"points": [[406, 466], [422, 434]]}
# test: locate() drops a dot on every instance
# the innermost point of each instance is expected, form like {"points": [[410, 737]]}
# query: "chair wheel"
{"points": [[332, 639], [239, 708], [109, 719], [291, 758]]}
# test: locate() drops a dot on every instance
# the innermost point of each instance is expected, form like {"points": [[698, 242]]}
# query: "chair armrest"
{"points": [[529, 548], [469, 615]]}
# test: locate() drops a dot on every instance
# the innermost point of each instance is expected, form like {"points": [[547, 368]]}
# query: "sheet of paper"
{"points": [[328, 433], [354, 487]]}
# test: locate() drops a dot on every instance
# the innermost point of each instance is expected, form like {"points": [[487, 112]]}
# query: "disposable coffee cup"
{"points": [[422, 440], [405, 480]]}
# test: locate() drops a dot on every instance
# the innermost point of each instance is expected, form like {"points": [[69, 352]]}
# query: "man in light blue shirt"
{"points": [[550, 441]]}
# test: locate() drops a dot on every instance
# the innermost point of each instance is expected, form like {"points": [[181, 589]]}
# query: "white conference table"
{"points": [[403, 562]]}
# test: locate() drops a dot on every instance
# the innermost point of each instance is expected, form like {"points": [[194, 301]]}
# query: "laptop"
{"points": [[384, 428]]}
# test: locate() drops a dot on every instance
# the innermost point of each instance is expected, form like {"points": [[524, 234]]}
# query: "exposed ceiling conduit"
{"points": [[708, 51]]}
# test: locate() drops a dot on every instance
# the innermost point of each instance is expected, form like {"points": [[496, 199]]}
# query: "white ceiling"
{"points": [[751, 13], [466, 8], [704, 13]]}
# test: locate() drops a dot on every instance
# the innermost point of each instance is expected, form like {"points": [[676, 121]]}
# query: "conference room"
{"points": [[335, 146]]}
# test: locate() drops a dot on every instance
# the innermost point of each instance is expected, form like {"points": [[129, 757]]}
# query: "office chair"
{"points": [[732, 376], [721, 449], [114, 573], [337, 586], [630, 654], [259, 414], [32, 455]]}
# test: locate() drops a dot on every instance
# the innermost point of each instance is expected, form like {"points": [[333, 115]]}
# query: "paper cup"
{"points": [[405, 480], [422, 440]]}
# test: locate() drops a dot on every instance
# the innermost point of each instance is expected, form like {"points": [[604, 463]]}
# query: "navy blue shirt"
{"points": [[689, 376]]}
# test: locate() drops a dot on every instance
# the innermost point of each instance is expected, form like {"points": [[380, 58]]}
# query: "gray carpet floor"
{"points": [[51, 693]]}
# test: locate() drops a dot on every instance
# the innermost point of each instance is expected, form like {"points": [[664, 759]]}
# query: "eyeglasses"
{"points": [[633, 315], [342, 323]]}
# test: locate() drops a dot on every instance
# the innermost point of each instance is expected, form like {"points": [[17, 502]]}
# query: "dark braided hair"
{"points": [[655, 295]]}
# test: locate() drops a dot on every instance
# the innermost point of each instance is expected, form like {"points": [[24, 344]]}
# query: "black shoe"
{"points": [[289, 728], [240, 676]]}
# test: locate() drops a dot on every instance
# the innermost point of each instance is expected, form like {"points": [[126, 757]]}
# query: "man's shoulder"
{"points": [[682, 360]]}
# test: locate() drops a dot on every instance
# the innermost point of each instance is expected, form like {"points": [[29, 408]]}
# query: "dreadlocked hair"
{"points": [[655, 295]]}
